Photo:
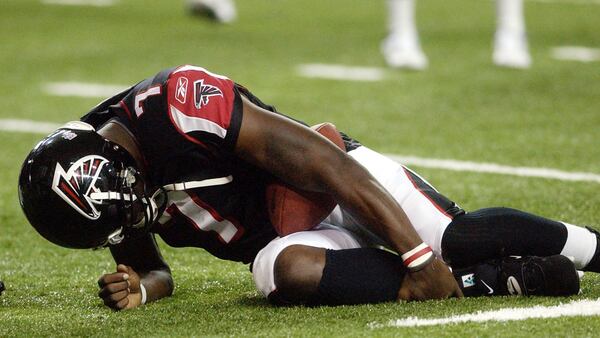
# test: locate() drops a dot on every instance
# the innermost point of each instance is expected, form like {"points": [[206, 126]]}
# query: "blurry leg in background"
{"points": [[401, 48], [222, 11], [510, 40]]}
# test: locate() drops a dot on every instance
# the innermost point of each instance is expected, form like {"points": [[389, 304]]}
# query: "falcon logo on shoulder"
{"points": [[76, 185], [203, 93]]}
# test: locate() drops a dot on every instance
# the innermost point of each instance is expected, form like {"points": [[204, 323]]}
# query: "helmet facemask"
{"points": [[130, 200]]}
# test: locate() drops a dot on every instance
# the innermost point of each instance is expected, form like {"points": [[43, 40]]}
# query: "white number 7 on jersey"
{"points": [[139, 98]]}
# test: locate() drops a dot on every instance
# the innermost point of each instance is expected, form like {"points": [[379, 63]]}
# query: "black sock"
{"points": [[492, 233], [359, 276], [368, 275]]}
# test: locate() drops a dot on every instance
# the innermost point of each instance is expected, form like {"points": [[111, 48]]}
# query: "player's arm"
{"points": [[303, 159], [139, 266]]}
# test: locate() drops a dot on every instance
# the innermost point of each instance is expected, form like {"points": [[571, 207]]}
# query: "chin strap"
{"points": [[115, 237], [198, 184]]}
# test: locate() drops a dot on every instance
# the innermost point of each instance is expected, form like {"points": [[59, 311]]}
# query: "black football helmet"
{"points": [[80, 190]]}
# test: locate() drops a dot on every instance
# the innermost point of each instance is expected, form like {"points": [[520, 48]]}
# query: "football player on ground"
{"points": [[402, 49], [189, 155]]}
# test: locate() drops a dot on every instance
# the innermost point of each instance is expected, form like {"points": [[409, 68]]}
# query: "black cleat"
{"points": [[520, 276], [1, 287], [537, 276]]}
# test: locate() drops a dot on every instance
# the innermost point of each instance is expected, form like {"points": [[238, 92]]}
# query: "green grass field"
{"points": [[461, 108]]}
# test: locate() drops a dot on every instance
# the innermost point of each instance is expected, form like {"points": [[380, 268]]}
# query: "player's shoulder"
{"points": [[184, 73], [202, 106], [198, 99], [194, 70], [190, 87]]}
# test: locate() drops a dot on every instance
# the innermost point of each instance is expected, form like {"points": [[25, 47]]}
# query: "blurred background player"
{"points": [[402, 49], [222, 11]]}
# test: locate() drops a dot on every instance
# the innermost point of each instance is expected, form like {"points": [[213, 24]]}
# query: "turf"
{"points": [[462, 108]]}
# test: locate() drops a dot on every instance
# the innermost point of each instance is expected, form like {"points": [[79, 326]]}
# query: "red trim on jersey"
{"points": [[407, 173], [417, 255], [183, 133], [170, 210], [215, 214], [124, 106]]}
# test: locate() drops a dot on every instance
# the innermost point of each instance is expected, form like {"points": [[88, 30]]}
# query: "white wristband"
{"points": [[143, 291], [417, 258]]}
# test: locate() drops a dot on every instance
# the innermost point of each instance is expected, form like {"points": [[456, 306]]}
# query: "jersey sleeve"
{"points": [[204, 107]]}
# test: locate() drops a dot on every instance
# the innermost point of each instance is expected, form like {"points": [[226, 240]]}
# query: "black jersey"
{"points": [[186, 121]]}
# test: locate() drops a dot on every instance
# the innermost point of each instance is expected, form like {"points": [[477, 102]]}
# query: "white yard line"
{"points": [[493, 168], [572, 309], [95, 3], [340, 72], [82, 89], [576, 53], [568, 2], [28, 126]]}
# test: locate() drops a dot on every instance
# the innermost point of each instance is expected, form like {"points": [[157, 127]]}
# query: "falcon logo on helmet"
{"points": [[76, 185], [203, 92]]}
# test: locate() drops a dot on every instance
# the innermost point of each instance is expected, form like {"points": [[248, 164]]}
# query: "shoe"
{"points": [[222, 11], [404, 52], [510, 50], [520, 276], [538, 276]]}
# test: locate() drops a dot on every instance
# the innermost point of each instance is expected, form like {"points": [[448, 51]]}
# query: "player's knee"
{"points": [[298, 271]]}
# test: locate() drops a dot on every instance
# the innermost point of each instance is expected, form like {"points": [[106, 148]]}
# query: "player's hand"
{"points": [[435, 281], [120, 290]]}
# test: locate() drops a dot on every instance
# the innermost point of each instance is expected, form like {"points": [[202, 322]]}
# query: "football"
{"points": [[293, 210]]}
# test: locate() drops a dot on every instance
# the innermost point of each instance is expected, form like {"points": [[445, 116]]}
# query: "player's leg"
{"points": [[401, 48], [326, 267], [430, 214], [498, 232], [510, 40], [467, 239]]}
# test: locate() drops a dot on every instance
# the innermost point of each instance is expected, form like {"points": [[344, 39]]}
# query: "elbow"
{"points": [[170, 286], [168, 282]]}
